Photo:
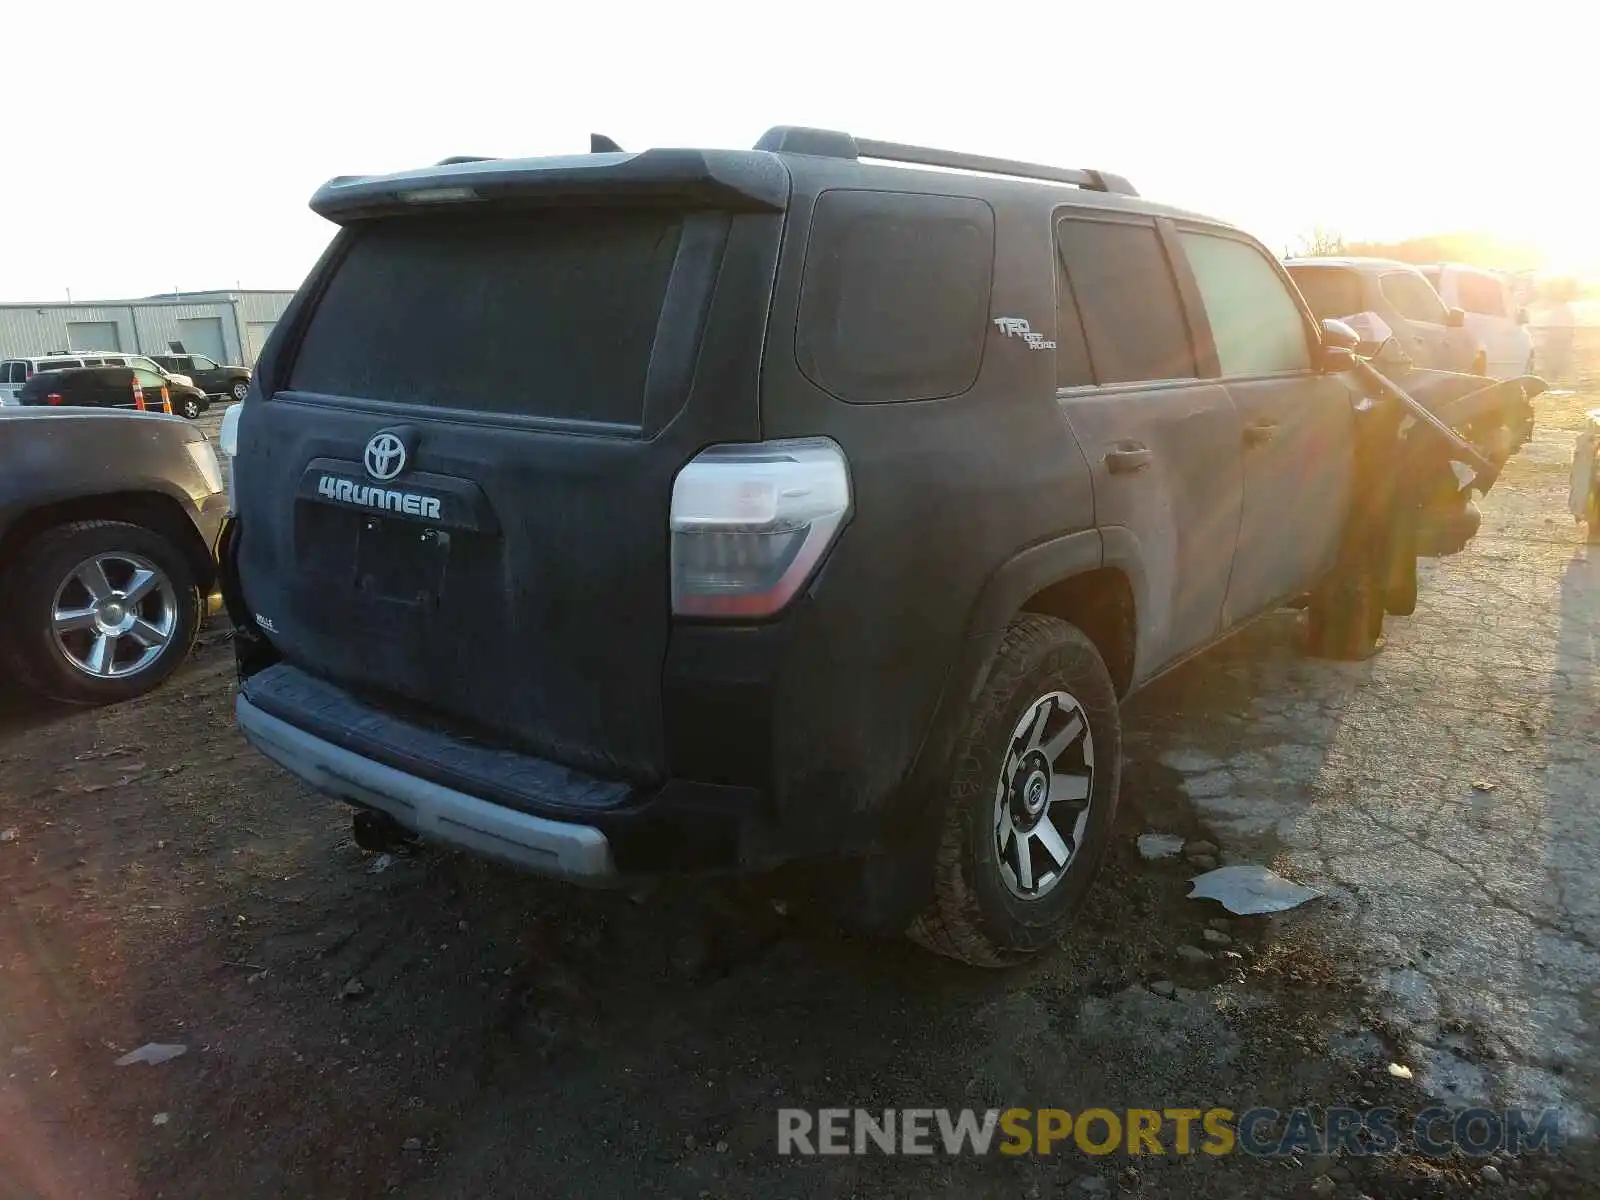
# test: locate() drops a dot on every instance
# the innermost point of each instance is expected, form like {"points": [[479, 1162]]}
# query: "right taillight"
{"points": [[53, 398], [751, 522]]}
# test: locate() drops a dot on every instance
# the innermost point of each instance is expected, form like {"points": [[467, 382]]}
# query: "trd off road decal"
{"points": [[1018, 327]]}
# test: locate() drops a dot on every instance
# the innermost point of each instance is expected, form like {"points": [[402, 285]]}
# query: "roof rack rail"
{"points": [[827, 143]]}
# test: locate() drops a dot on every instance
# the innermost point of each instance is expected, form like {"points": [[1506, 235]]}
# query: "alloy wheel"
{"points": [[114, 615], [1043, 795]]}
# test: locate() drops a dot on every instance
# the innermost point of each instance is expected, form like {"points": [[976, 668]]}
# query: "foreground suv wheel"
{"points": [[101, 611], [1031, 800]]}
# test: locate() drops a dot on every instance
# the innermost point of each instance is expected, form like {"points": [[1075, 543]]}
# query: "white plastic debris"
{"points": [[380, 864], [1250, 890], [1400, 1070], [160, 1118], [1159, 845], [8, 835], [154, 1053]]}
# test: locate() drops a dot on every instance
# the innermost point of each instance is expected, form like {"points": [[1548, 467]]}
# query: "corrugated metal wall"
{"points": [[143, 325]]}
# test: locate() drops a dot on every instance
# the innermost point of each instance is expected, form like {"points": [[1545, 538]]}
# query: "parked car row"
{"points": [[192, 380], [111, 387]]}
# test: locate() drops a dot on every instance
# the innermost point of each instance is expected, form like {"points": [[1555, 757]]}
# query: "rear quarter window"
{"points": [[895, 300], [547, 313]]}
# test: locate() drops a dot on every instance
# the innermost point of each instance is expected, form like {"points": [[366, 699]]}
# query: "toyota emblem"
{"points": [[385, 457]]}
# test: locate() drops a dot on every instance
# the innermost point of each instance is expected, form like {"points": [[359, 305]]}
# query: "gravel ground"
{"points": [[435, 1026]]}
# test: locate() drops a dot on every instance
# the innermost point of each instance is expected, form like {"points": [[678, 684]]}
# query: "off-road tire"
{"points": [[30, 595], [1345, 619], [973, 917]]}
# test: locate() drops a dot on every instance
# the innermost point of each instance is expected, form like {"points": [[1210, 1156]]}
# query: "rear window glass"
{"points": [[1330, 292], [895, 303], [547, 313]]}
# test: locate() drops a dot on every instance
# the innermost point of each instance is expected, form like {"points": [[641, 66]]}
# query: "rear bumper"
{"points": [[525, 810], [579, 853]]}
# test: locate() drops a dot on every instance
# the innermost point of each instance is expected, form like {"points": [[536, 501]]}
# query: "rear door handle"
{"points": [[1127, 458], [1258, 433]]}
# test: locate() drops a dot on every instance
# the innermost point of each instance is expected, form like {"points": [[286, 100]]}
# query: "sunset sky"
{"points": [[174, 144]]}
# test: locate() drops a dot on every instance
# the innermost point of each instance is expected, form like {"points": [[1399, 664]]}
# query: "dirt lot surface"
{"points": [[445, 1027]]}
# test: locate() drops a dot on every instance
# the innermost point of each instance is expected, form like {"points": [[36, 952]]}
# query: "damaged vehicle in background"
{"points": [[819, 502], [1431, 334]]}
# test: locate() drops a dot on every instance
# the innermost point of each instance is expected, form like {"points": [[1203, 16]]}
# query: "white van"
{"points": [[1493, 314]]}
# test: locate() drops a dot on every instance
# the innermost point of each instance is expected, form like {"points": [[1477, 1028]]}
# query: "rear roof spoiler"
{"points": [[730, 179], [828, 143]]}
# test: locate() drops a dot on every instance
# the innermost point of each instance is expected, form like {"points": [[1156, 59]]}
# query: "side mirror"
{"points": [[1336, 335], [1455, 319]]}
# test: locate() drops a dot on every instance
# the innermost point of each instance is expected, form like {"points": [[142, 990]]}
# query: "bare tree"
{"points": [[1319, 242]]}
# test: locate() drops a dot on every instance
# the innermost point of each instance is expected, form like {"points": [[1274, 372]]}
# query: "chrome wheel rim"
{"points": [[191, 409], [114, 615], [1043, 796], [241, 390]]}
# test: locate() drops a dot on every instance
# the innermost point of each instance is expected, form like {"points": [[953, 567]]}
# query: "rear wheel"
{"points": [[101, 611], [1031, 799]]}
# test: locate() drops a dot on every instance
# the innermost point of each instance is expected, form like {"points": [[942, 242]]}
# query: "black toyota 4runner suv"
{"points": [[701, 510]]}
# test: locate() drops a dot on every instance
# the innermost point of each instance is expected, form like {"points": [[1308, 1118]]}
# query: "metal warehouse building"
{"points": [[230, 327]]}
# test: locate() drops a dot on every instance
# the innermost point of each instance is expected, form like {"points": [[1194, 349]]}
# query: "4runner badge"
{"points": [[348, 491], [1019, 327]]}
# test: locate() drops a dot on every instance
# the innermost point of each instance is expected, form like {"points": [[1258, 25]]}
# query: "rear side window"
{"points": [[1481, 294], [1132, 323], [57, 364], [1256, 325], [1330, 292], [895, 301], [548, 313], [1413, 297]]}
